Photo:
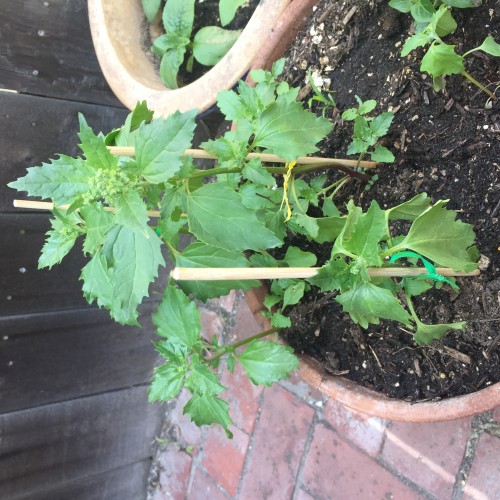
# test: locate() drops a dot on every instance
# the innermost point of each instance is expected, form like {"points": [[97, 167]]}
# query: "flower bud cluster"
{"points": [[106, 185]]}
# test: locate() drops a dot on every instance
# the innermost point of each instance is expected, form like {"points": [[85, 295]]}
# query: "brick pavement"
{"points": [[291, 443]]}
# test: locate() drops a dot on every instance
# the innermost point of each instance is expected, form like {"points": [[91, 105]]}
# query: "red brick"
{"points": [[175, 468], [496, 414], [242, 397], [223, 458], [335, 469], [278, 445], [204, 488], [189, 433], [302, 495], [484, 477], [428, 454], [210, 323], [365, 432], [245, 324], [227, 302]]}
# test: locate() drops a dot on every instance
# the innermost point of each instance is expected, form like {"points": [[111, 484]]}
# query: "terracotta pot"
{"points": [[340, 389], [116, 27]]}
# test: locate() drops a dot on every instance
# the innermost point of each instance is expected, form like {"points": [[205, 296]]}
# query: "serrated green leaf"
{"points": [[160, 145], [422, 11], [96, 282], [289, 131], [178, 17], [409, 210], [255, 172], [382, 155], [418, 40], [266, 362], [367, 107], [218, 217], [293, 294], [151, 8], [206, 410], [438, 236], [350, 114], [131, 211], [200, 255], [231, 105], [443, 22], [177, 318], [278, 320], [368, 303], [167, 382], [60, 240], [425, 334], [295, 257], [203, 381], [169, 66], [308, 224], [489, 46], [334, 275], [441, 59], [94, 147], [227, 10], [414, 287], [380, 125], [212, 43], [62, 180]]}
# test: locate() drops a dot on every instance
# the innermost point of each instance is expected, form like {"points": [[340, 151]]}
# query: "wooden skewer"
{"points": [[263, 273], [47, 205], [265, 157]]}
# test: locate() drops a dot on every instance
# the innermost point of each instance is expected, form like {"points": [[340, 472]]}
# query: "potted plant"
{"points": [[131, 201], [117, 32]]}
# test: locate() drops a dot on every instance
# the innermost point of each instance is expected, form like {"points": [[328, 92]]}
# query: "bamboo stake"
{"points": [[263, 273], [265, 157], [47, 205]]}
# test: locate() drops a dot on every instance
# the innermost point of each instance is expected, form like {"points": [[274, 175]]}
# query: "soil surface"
{"points": [[447, 145], [206, 14]]}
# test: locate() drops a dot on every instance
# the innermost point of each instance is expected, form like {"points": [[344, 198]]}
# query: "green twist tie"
{"points": [[432, 273]]}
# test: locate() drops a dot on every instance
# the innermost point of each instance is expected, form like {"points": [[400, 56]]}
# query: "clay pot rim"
{"points": [[345, 391], [131, 75]]}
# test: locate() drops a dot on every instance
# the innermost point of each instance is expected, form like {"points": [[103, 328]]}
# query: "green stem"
{"points": [[391, 250], [411, 308], [295, 197], [479, 85], [232, 347]]}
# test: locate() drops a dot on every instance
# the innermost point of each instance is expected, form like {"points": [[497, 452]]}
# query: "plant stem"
{"points": [[390, 251], [232, 347], [478, 84]]}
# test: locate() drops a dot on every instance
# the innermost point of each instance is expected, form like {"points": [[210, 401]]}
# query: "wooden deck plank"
{"points": [[48, 446], [47, 358], [24, 288], [46, 49], [35, 129]]}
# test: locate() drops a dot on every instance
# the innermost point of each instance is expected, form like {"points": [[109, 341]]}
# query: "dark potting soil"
{"points": [[206, 14], [446, 144]]}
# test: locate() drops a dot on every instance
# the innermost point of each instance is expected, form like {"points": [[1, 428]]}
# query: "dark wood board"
{"points": [[48, 446], [46, 358], [124, 483], [26, 289], [46, 49], [35, 129]]}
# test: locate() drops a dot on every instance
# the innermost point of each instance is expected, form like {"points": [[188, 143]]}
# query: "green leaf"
{"points": [[151, 8], [308, 224], [60, 240], [367, 107], [201, 255], [94, 147], [118, 277], [489, 46], [206, 410], [167, 382], [289, 131], [414, 287], [218, 217], [418, 40], [177, 318], [443, 22], [380, 125], [61, 180], [329, 208], [212, 43], [160, 145], [425, 334], [169, 66], [231, 105], [462, 4], [98, 221], [441, 59], [178, 17], [401, 5], [227, 10], [409, 210], [382, 155], [422, 11], [131, 211], [438, 236], [203, 381], [266, 362], [125, 135], [167, 42], [368, 303], [293, 294], [255, 172], [278, 320], [334, 275], [295, 257]]}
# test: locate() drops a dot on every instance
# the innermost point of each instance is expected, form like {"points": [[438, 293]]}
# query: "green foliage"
{"points": [[208, 46], [433, 21], [233, 222]]}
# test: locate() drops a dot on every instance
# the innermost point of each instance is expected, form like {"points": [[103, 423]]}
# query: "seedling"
{"points": [[127, 209], [433, 21], [208, 46], [326, 101]]}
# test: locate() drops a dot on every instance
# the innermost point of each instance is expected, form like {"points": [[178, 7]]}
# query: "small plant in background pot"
{"points": [[127, 207]]}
